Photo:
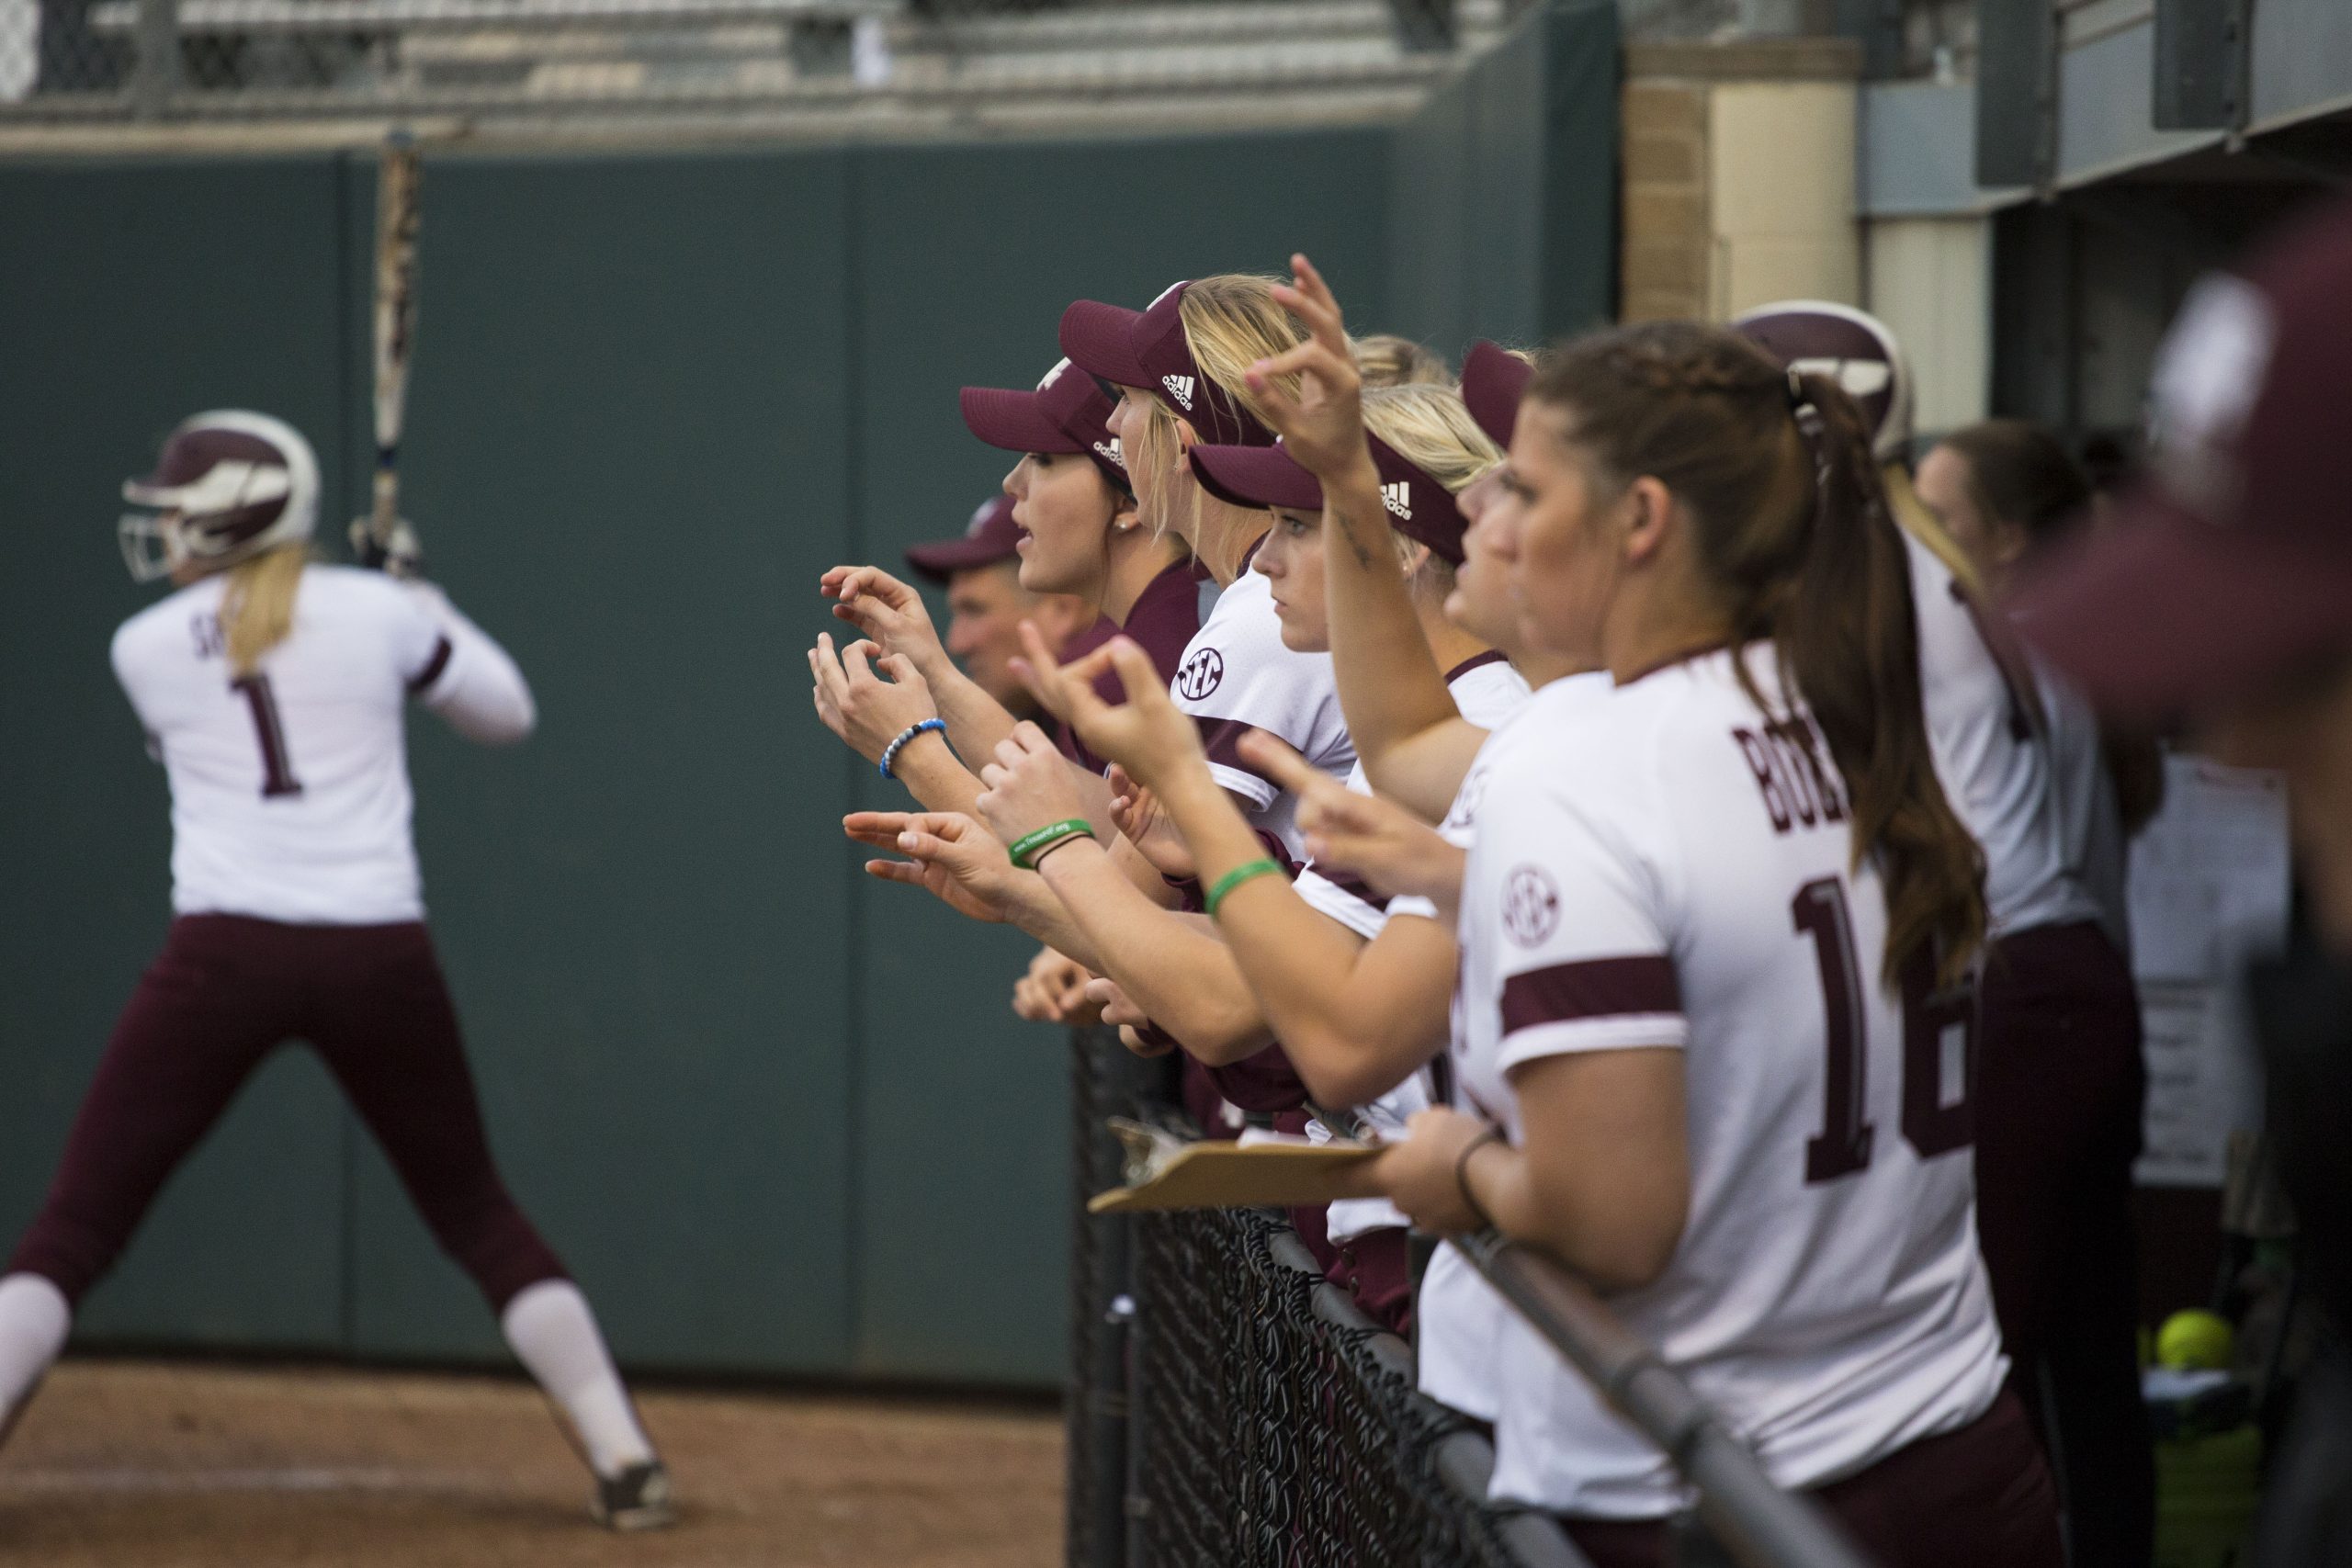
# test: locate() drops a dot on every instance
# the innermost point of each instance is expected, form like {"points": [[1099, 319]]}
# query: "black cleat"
{"points": [[636, 1499]]}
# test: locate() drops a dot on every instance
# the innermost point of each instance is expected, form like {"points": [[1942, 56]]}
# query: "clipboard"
{"points": [[1264, 1170]]}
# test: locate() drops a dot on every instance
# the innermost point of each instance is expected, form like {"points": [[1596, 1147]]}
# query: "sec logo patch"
{"points": [[1531, 906], [1199, 675]]}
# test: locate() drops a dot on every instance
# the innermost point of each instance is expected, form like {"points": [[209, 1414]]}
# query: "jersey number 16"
{"points": [[1930, 1126]]}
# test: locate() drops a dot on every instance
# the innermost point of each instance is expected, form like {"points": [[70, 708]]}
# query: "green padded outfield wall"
{"points": [[775, 1116]]}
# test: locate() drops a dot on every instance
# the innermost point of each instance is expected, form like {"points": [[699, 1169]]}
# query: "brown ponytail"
{"points": [[1776, 474]]}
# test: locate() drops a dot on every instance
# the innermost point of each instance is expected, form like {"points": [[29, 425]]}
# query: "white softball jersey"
{"points": [[1458, 1315], [1237, 676], [1487, 691], [1989, 758], [1669, 868], [290, 797]]}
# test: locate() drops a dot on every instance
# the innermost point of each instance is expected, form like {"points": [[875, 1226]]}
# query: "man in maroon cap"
{"points": [[2223, 596], [986, 603]]}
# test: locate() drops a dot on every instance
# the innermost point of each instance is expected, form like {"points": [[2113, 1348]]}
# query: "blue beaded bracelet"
{"points": [[890, 752]]}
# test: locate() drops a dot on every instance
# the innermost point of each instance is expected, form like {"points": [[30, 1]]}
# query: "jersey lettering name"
{"points": [[1798, 788], [211, 642]]}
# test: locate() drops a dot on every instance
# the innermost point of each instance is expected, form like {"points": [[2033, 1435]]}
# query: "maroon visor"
{"points": [[1493, 381], [1419, 507], [1068, 413], [1147, 349]]}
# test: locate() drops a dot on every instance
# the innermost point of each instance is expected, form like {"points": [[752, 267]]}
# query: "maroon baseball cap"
{"points": [[2230, 569], [1493, 381], [1066, 413], [1419, 507], [1147, 349], [990, 537]]}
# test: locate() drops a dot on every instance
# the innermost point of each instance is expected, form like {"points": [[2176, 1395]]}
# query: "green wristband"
{"points": [[1027, 848], [1235, 877]]}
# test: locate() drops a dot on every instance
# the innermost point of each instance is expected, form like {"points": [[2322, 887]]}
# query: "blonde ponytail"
{"points": [[257, 603]]}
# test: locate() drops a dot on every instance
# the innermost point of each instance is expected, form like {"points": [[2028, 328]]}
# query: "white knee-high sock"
{"points": [[555, 1335], [33, 1321]]}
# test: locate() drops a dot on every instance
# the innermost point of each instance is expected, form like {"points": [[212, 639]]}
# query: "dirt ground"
{"points": [[142, 1464]]}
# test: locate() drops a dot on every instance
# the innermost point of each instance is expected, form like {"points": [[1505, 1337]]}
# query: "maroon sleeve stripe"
{"points": [[1596, 988], [1221, 738], [423, 679]]}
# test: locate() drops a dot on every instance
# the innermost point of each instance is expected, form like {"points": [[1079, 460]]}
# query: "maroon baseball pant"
{"points": [[1979, 1497], [225, 992], [2060, 1084]]}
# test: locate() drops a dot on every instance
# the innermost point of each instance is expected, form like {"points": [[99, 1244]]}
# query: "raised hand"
{"points": [[1117, 1006], [1054, 991], [1376, 839], [1145, 735], [949, 856], [1321, 423], [1137, 814], [888, 611], [866, 710], [1030, 786]]}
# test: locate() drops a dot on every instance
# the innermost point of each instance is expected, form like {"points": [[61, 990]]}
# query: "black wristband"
{"points": [[1462, 1174]]}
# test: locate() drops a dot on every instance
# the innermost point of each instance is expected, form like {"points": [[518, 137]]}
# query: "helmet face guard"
{"points": [[151, 544], [227, 485]]}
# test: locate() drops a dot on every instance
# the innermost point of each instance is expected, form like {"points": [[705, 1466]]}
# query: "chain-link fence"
{"points": [[101, 60], [1233, 1409]]}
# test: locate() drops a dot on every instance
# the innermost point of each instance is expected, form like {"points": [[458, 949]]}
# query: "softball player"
{"points": [[1358, 1013], [1179, 365], [1070, 517], [980, 571], [2060, 1079], [272, 690], [1070, 513], [1680, 983], [2006, 491]]}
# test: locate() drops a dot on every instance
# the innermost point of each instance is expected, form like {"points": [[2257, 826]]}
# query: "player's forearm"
{"points": [[481, 693], [1354, 1023], [1358, 1027], [936, 776], [977, 723], [1177, 971], [1423, 772], [1349, 1025], [1030, 904], [1390, 686]]}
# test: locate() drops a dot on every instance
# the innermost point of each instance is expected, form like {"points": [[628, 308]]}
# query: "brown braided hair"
{"points": [[1774, 470]]}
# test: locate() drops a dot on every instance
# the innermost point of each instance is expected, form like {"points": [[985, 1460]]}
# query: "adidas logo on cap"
{"points": [[1398, 498], [1181, 388], [1111, 449]]}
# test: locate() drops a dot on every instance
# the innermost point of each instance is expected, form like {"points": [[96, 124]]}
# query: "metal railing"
{"points": [[1754, 1520], [1232, 1407]]}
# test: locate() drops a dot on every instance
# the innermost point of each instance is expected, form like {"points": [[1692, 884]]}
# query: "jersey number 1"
{"points": [[1929, 1126], [276, 774]]}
